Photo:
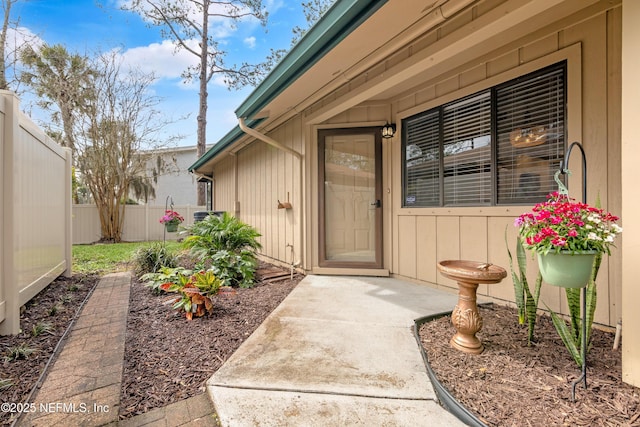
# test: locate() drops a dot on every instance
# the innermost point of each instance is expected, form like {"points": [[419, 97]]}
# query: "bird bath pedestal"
{"points": [[465, 317]]}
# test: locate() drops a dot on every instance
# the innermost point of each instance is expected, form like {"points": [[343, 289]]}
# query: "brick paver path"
{"points": [[82, 388]]}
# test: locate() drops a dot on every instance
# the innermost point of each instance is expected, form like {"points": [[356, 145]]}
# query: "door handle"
{"points": [[377, 204]]}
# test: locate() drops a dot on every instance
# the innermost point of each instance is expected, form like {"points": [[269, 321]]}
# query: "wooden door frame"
{"points": [[322, 261]]}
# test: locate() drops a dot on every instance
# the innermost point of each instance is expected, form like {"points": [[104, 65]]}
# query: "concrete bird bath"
{"points": [[465, 317]]}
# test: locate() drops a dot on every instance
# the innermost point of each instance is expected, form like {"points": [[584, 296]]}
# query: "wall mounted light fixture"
{"points": [[388, 130]]}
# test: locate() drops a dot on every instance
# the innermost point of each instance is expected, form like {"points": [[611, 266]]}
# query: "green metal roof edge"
{"points": [[232, 136], [339, 21]]}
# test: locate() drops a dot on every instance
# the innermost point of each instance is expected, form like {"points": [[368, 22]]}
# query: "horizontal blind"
{"points": [[422, 160], [467, 151], [530, 135]]}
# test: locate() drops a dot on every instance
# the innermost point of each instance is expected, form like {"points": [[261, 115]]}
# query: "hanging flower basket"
{"points": [[171, 227], [171, 220], [567, 269], [567, 235]]}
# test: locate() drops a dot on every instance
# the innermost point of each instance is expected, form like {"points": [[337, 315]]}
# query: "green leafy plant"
{"points": [[6, 383], [195, 292], [151, 259], [526, 302], [65, 299], [154, 281], [41, 328], [235, 269], [231, 246], [54, 309], [21, 351]]}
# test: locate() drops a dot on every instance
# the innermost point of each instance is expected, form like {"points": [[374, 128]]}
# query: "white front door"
{"points": [[351, 214]]}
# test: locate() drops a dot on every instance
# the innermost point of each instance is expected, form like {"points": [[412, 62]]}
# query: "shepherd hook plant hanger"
{"points": [[563, 190], [166, 205]]}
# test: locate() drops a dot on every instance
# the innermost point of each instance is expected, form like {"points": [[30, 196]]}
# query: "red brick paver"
{"points": [[82, 388]]}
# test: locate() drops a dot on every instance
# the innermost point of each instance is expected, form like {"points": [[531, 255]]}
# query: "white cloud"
{"points": [[161, 59], [19, 37], [250, 42]]}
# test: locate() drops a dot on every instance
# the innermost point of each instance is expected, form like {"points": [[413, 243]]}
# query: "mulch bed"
{"points": [[168, 358], [55, 306], [512, 384]]}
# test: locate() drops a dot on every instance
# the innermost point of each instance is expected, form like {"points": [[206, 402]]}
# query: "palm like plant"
{"points": [[216, 233], [230, 244]]}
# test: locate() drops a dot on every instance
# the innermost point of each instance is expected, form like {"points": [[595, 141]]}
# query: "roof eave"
{"points": [[339, 21]]}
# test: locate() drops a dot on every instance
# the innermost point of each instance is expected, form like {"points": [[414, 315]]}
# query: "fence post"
{"points": [[11, 323], [68, 212], [146, 222]]}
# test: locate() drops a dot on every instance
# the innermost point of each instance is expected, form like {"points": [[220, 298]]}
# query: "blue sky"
{"points": [[84, 27]]}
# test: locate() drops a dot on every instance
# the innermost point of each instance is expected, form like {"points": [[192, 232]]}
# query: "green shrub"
{"points": [[151, 259], [229, 244], [194, 289], [235, 269], [154, 280]]}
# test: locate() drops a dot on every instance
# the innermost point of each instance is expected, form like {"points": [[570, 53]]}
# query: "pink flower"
{"points": [[561, 222]]}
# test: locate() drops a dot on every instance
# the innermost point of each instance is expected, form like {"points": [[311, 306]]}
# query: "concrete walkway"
{"points": [[338, 351]]}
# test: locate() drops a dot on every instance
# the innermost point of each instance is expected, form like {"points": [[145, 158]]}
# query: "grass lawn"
{"points": [[108, 258]]}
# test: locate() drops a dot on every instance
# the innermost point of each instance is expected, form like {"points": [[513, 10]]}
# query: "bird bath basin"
{"points": [[465, 316]]}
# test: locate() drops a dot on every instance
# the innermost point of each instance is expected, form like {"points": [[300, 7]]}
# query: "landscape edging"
{"points": [[445, 398]]}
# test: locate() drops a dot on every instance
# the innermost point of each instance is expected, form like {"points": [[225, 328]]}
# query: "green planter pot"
{"points": [[171, 227], [566, 269]]}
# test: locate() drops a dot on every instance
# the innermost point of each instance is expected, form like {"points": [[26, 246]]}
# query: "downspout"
{"points": [[264, 138]]}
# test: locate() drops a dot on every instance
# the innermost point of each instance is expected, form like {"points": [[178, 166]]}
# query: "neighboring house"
{"points": [[172, 176], [485, 97]]}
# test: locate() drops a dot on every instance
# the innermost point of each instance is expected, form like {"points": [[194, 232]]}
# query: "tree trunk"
{"points": [[202, 111]]}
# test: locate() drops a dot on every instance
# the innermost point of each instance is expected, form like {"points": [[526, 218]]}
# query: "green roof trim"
{"points": [[227, 140], [339, 21]]}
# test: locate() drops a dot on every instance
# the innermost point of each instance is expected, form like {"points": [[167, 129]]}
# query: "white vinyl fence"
{"points": [[141, 223], [35, 211]]}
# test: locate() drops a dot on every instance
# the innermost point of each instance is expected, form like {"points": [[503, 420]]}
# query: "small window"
{"points": [[498, 146]]}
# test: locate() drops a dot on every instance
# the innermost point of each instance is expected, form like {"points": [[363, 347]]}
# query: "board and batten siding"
{"points": [[250, 182], [592, 47], [224, 191]]}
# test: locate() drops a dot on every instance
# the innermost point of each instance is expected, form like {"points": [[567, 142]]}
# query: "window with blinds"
{"points": [[498, 146], [422, 160], [530, 133], [466, 139]]}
